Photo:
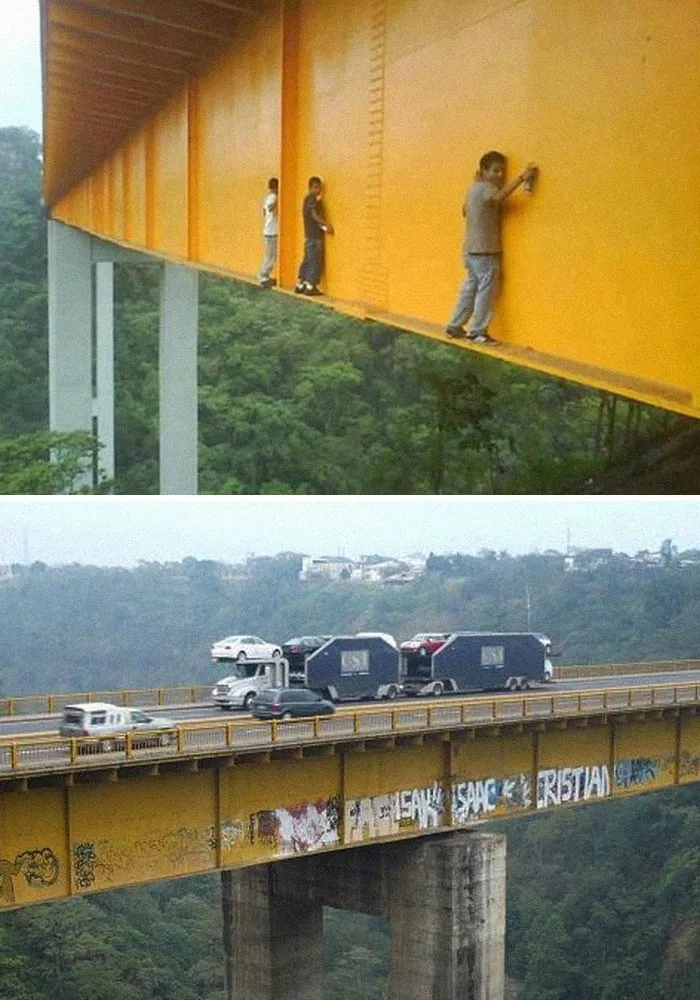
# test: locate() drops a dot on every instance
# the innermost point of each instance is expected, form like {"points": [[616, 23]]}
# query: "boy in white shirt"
{"points": [[270, 231]]}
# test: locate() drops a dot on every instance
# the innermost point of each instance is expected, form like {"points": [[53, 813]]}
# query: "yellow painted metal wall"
{"points": [[100, 834], [393, 102]]}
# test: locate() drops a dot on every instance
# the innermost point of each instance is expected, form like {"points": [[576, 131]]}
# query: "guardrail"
{"points": [[624, 669], [155, 697], [49, 704], [34, 753]]}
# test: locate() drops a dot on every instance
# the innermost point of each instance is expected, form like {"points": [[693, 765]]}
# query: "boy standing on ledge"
{"points": [[270, 233], [482, 248], [315, 229]]}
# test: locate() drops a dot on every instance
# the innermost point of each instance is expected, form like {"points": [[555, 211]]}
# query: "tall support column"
{"points": [[274, 943], [178, 379], [104, 321], [447, 918], [70, 328]]}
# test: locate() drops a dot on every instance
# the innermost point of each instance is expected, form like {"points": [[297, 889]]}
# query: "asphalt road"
{"points": [[14, 726]]}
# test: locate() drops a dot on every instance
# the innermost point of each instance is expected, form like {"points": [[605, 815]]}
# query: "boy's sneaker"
{"points": [[312, 290], [455, 331], [300, 289], [480, 338]]}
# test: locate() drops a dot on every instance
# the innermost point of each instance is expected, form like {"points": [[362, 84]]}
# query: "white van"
{"points": [[98, 718]]}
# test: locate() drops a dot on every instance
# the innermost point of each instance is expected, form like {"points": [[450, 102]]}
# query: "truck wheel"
{"points": [[248, 700], [392, 693], [523, 683], [241, 657], [512, 684], [438, 689], [276, 654], [286, 716]]}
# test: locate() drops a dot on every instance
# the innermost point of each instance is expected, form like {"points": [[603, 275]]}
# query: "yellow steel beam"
{"points": [[106, 30], [220, 23], [77, 837]]}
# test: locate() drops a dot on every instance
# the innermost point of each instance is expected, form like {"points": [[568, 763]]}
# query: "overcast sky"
{"points": [[20, 64], [121, 531]]}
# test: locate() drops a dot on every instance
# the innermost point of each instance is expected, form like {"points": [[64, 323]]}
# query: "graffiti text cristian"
{"points": [[556, 787]]}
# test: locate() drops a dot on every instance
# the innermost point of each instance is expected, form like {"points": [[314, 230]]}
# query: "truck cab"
{"points": [[247, 679]]}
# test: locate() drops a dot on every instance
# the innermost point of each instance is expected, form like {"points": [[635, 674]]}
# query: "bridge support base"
{"points": [[444, 896]]}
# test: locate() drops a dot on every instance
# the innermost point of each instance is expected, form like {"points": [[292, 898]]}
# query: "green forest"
{"points": [[293, 398], [76, 628], [603, 900]]}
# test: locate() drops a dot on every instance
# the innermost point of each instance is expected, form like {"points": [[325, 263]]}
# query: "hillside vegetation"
{"points": [[74, 628]]}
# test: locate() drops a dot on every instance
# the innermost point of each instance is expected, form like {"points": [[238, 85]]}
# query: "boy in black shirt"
{"points": [[315, 228]]}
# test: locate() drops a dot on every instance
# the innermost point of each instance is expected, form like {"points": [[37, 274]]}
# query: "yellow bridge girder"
{"points": [[78, 816], [165, 118]]}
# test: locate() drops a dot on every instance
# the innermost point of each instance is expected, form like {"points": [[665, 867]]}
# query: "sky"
{"points": [[121, 531], [20, 64]]}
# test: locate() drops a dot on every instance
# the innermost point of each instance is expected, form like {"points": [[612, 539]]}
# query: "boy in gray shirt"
{"points": [[482, 248]]}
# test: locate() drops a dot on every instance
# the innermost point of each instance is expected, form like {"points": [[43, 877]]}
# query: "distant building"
{"points": [[326, 568]]}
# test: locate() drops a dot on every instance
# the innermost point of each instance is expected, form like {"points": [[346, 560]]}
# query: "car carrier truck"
{"points": [[477, 661], [350, 668], [248, 678]]}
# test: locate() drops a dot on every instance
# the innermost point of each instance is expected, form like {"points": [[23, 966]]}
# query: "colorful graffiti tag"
{"points": [[395, 812]]}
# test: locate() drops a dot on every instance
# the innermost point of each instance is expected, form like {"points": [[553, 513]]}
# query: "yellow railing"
{"points": [[49, 704], [22, 754], [624, 669]]}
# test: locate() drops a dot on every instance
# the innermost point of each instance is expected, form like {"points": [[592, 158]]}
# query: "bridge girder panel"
{"points": [[75, 831]]}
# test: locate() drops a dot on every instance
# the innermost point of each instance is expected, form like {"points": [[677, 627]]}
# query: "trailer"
{"points": [[350, 668], [477, 661]]}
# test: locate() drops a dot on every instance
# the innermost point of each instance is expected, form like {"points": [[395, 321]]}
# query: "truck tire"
{"points": [[248, 700], [392, 693], [241, 658], [512, 684], [276, 654], [286, 716], [438, 689]]}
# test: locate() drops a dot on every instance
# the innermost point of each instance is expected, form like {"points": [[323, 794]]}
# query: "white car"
{"points": [[245, 647]]}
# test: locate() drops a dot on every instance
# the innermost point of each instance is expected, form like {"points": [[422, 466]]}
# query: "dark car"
{"points": [[290, 703], [297, 649]]}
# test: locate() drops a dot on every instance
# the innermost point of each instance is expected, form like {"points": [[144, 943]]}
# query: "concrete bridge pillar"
{"points": [[444, 896], [273, 946], [81, 338]]}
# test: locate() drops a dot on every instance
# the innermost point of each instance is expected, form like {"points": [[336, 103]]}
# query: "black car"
{"points": [[290, 703], [297, 649]]}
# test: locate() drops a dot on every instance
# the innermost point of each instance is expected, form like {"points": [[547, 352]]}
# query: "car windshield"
{"points": [[137, 716]]}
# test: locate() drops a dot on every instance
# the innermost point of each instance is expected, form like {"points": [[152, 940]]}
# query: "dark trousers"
{"points": [[312, 265]]}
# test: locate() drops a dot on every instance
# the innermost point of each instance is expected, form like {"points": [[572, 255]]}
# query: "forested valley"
{"points": [[294, 398], [603, 900]]}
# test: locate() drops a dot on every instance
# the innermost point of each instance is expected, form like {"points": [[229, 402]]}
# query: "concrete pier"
{"points": [[444, 896]]}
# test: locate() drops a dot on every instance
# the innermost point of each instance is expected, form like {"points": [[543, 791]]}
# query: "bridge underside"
{"points": [[100, 822], [164, 121]]}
